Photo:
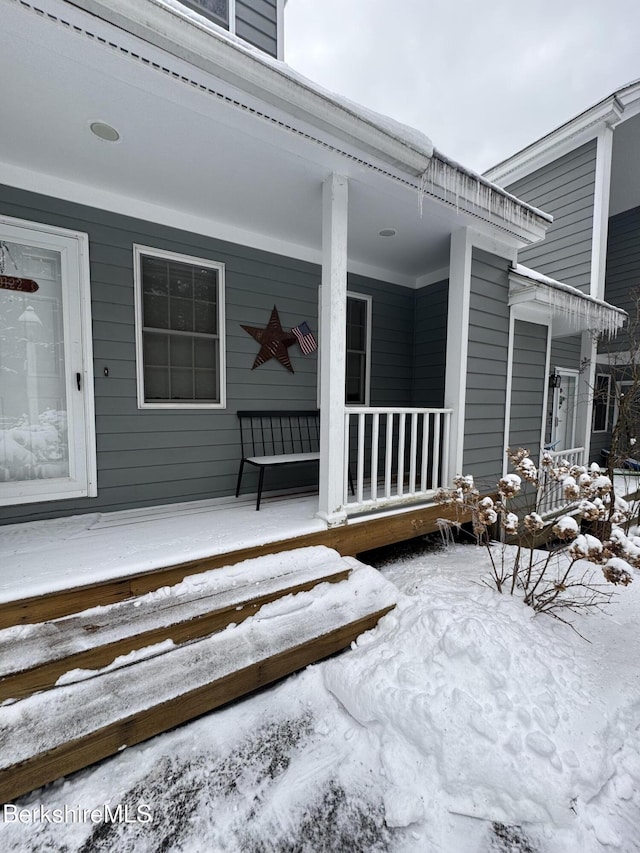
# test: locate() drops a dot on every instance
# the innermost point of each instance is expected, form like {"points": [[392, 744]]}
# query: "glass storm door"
{"points": [[46, 402], [565, 401]]}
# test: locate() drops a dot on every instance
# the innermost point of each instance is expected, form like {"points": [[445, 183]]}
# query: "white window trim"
{"points": [[82, 481], [608, 407], [231, 10], [367, 376], [149, 251]]}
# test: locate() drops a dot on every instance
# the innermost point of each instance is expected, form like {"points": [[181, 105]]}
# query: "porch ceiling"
{"points": [[192, 158]]}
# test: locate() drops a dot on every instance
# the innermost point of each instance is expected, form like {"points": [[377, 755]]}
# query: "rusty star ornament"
{"points": [[273, 342]]}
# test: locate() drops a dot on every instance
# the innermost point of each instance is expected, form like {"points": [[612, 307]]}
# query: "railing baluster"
{"points": [[360, 485], [347, 455], [375, 434], [413, 452], [425, 451], [444, 467], [436, 450], [400, 458], [387, 455]]}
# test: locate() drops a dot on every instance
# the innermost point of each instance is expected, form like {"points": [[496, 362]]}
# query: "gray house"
{"points": [[585, 173], [166, 180]]}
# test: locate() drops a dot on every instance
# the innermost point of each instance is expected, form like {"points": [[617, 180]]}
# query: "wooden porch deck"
{"points": [[68, 567], [83, 683]]}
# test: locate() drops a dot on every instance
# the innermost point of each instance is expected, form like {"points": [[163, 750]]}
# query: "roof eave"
{"points": [[238, 64]]}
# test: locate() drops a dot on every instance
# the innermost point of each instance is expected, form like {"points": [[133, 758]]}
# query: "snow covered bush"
{"points": [[544, 562]]}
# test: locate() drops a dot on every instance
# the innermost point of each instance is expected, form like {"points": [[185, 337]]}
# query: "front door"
{"points": [[565, 402], [47, 439]]}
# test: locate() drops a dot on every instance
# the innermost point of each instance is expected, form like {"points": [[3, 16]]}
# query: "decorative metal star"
{"points": [[273, 342]]}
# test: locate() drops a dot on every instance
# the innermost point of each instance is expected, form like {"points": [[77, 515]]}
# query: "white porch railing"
{"points": [[550, 496], [395, 455]]}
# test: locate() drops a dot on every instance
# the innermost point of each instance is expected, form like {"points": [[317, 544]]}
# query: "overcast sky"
{"points": [[482, 78]]}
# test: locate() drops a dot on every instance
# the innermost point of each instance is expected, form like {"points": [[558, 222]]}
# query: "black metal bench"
{"points": [[271, 438]]}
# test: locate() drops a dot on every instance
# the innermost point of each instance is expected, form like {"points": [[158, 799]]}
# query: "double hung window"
{"points": [[180, 330]]}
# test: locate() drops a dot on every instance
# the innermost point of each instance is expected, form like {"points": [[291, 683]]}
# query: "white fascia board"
{"points": [[570, 136], [237, 63]]}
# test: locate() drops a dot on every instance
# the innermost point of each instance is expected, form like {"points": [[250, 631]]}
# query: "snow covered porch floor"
{"points": [[50, 569]]}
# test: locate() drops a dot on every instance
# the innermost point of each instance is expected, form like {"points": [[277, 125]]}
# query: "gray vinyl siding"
{"points": [[565, 188], [256, 22], [486, 368], [565, 352], [148, 457], [430, 348], [527, 397], [622, 288], [622, 277]]}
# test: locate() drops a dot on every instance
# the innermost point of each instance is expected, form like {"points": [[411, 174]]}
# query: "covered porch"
{"points": [[304, 202]]}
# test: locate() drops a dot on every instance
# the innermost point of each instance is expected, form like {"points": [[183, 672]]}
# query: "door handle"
{"points": [[79, 381]]}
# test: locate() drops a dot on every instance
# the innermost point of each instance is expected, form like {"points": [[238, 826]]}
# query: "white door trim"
{"points": [[74, 250]]}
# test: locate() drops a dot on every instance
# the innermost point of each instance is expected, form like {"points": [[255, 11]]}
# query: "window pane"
{"points": [[156, 383], [156, 311], [217, 10], [156, 349], [181, 315], [205, 317], [34, 440], [600, 403], [355, 378], [181, 384], [154, 276], [180, 280], [206, 353], [206, 386], [181, 351]]}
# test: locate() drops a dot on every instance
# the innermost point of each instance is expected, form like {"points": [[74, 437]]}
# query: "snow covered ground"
{"points": [[462, 724]]}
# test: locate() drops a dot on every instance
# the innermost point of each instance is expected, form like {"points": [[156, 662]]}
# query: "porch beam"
{"points": [[333, 323]]}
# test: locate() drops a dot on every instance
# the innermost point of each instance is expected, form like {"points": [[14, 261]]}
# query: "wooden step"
{"points": [[50, 734], [95, 639]]}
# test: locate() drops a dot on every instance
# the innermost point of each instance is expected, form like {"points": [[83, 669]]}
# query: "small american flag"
{"points": [[305, 338]]}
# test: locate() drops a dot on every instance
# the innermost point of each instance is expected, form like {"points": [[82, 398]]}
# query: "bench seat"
{"points": [[283, 459]]}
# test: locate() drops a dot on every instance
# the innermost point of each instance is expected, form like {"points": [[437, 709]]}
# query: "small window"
{"points": [[216, 10], [601, 402], [358, 349], [180, 330]]}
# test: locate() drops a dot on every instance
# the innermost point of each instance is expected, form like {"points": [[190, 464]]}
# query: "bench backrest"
{"points": [[273, 433]]}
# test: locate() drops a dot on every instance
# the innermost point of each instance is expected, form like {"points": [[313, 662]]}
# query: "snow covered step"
{"points": [[34, 657], [51, 734]]}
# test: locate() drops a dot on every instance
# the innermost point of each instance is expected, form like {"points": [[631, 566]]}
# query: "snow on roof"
{"points": [[570, 300], [402, 133]]}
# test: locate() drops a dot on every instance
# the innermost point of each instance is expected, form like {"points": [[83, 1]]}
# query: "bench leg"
{"points": [[260, 481], [239, 477]]}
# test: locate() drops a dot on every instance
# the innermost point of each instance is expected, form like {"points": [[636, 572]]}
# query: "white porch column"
{"points": [[455, 385], [333, 324], [586, 384]]}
